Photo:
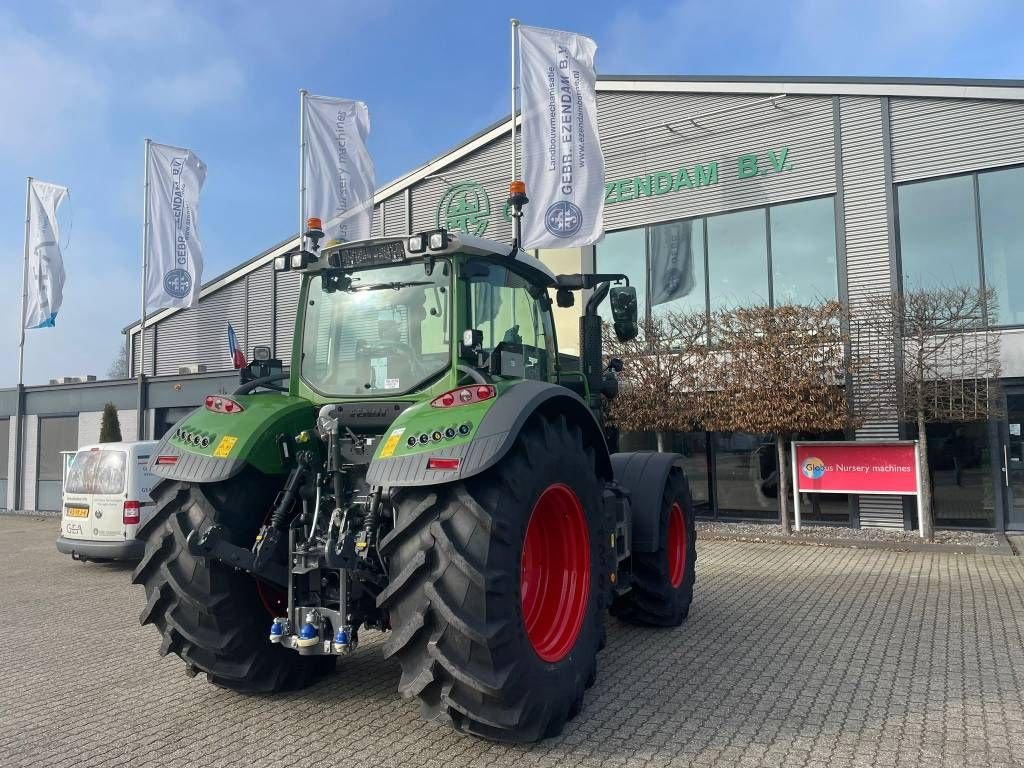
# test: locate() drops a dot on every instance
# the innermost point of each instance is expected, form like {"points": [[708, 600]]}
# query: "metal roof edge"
{"points": [[818, 79]]}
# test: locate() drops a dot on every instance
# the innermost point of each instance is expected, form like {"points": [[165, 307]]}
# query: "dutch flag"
{"points": [[237, 355]]}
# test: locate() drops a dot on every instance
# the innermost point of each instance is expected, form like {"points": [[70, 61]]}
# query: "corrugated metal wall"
{"points": [[377, 224], [199, 334], [151, 361], [936, 137], [288, 285], [869, 270], [395, 216], [259, 322], [488, 167], [714, 129]]}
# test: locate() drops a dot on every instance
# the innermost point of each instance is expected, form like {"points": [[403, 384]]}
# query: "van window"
{"points": [[97, 472]]}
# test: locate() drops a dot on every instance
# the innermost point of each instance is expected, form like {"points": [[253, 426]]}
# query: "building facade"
{"points": [[769, 191]]}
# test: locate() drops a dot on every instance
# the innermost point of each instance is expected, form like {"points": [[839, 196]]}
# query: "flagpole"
{"points": [[24, 284], [140, 427], [19, 405], [515, 28], [302, 164]]}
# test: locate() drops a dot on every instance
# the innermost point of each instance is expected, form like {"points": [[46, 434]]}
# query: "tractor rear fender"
{"points": [[209, 447], [644, 474], [494, 437]]}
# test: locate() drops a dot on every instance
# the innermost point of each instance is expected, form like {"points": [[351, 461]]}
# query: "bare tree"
{"points": [[950, 364], [664, 385], [780, 370], [764, 370], [119, 367]]}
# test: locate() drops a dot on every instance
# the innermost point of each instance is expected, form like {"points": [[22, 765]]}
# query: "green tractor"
{"points": [[430, 467]]}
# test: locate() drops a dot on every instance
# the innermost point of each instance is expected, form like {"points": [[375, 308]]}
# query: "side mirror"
{"points": [[564, 298], [624, 312]]}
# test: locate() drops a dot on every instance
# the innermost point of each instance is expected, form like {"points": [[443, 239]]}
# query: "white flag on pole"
{"points": [[338, 169], [175, 258], [45, 269], [562, 162]]}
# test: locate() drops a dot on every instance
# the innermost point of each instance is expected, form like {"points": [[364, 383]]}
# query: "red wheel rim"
{"points": [[554, 577], [274, 599], [676, 545]]}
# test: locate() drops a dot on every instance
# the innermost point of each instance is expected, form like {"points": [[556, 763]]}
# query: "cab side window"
{"points": [[506, 311]]}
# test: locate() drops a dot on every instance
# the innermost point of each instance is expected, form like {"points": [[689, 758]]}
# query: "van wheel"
{"points": [[208, 613]]}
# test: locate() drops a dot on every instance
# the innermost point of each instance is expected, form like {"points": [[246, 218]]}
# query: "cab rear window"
{"points": [[97, 472]]}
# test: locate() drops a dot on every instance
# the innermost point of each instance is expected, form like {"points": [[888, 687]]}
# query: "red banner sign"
{"points": [[856, 467]]}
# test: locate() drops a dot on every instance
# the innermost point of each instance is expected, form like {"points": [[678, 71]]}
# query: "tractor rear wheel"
{"points": [[211, 615], [662, 585], [499, 586]]}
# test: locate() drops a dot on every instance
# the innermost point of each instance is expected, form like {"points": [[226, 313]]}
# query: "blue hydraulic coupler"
{"points": [[341, 643], [308, 636], [276, 631]]}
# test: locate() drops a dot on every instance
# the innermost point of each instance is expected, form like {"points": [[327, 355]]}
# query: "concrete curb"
{"points": [[28, 513], [1003, 549]]}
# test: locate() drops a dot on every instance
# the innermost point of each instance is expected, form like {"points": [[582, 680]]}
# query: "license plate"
{"points": [[77, 512]]}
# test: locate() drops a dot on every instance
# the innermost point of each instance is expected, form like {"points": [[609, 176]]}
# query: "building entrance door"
{"points": [[1012, 438]]}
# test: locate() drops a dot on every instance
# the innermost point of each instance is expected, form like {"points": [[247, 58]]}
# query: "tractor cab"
{"points": [[392, 317]]}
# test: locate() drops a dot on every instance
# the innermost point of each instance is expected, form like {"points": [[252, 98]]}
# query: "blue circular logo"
{"points": [[813, 468], [563, 219], [178, 283]]}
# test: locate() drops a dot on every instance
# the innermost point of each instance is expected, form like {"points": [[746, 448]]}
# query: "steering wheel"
{"points": [[477, 376], [266, 382]]}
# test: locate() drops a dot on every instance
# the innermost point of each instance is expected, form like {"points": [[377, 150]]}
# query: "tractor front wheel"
{"points": [[499, 586], [662, 586]]}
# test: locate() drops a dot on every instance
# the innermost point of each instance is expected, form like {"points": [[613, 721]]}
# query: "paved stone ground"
{"points": [[793, 656]]}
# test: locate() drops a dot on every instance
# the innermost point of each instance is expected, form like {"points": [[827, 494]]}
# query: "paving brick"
{"points": [[793, 656]]}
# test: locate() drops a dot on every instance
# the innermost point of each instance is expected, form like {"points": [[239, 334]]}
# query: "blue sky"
{"points": [[83, 83]]}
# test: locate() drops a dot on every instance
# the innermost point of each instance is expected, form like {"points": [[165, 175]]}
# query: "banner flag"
{"points": [[671, 261], [562, 162], [45, 268], [237, 355], [175, 257], [338, 168]]}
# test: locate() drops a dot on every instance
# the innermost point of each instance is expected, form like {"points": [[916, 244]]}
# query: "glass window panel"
{"points": [[738, 259], [747, 483], [1002, 241], [56, 434], [938, 237], [677, 266], [625, 252], [960, 469], [804, 252]]}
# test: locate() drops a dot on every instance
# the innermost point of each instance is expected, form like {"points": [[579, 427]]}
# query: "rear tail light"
{"points": [[130, 516], [167, 460], [222, 405], [436, 462], [464, 396]]}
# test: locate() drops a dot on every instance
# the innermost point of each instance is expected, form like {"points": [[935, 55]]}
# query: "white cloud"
{"points": [[216, 82], [132, 21], [47, 97]]}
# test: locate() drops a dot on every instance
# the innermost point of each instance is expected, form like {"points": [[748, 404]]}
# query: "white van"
{"points": [[106, 497]]}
